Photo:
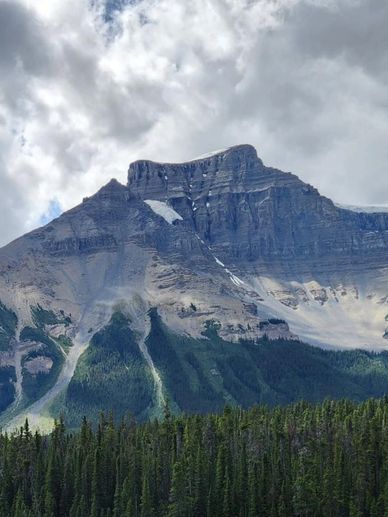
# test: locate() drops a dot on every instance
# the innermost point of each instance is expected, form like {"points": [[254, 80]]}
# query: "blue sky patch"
{"points": [[54, 210]]}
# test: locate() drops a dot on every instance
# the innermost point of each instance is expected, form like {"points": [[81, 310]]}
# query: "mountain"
{"points": [[195, 282]]}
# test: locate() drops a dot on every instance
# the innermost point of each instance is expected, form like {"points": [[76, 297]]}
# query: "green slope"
{"points": [[8, 324], [202, 375], [36, 385], [111, 375]]}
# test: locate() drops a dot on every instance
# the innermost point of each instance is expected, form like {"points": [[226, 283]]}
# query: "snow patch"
{"points": [[199, 238], [235, 279], [364, 209], [209, 155], [163, 210]]}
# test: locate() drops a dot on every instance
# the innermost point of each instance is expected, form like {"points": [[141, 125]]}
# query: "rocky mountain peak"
{"points": [[112, 189], [259, 216], [237, 167], [242, 153]]}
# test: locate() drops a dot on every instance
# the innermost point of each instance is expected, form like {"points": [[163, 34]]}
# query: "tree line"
{"points": [[305, 460]]}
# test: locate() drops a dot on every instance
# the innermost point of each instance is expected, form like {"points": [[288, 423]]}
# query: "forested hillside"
{"points": [[201, 375], [301, 460]]}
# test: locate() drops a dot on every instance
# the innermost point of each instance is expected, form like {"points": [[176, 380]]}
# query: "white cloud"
{"points": [[304, 81]]}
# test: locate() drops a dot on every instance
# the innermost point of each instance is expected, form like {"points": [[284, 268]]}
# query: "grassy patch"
{"points": [[36, 385], [64, 342], [42, 317], [7, 388]]}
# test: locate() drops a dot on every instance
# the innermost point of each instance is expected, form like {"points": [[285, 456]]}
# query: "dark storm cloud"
{"points": [[23, 54], [355, 31], [21, 40]]}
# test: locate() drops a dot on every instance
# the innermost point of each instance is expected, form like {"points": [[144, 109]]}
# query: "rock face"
{"points": [[222, 241], [263, 218]]}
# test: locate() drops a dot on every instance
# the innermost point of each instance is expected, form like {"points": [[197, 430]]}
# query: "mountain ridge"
{"points": [[192, 188]]}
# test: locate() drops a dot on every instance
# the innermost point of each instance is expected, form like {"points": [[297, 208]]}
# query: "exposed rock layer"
{"points": [[262, 218]]}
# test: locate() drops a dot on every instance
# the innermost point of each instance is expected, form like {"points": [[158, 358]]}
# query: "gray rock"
{"points": [[263, 219]]}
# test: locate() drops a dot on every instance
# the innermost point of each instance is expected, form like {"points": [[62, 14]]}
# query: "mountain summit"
{"points": [[200, 255], [260, 216]]}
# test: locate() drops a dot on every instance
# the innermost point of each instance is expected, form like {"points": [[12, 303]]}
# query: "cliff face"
{"points": [[263, 219]]}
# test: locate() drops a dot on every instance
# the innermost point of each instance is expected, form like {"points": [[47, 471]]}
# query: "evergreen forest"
{"points": [[329, 459]]}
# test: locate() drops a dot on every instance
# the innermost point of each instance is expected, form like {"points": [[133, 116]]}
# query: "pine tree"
{"points": [[226, 506], [179, 500], [146, 505]]}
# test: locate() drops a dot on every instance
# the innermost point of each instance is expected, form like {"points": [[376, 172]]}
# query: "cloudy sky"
{"points": [[87, 87]]}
